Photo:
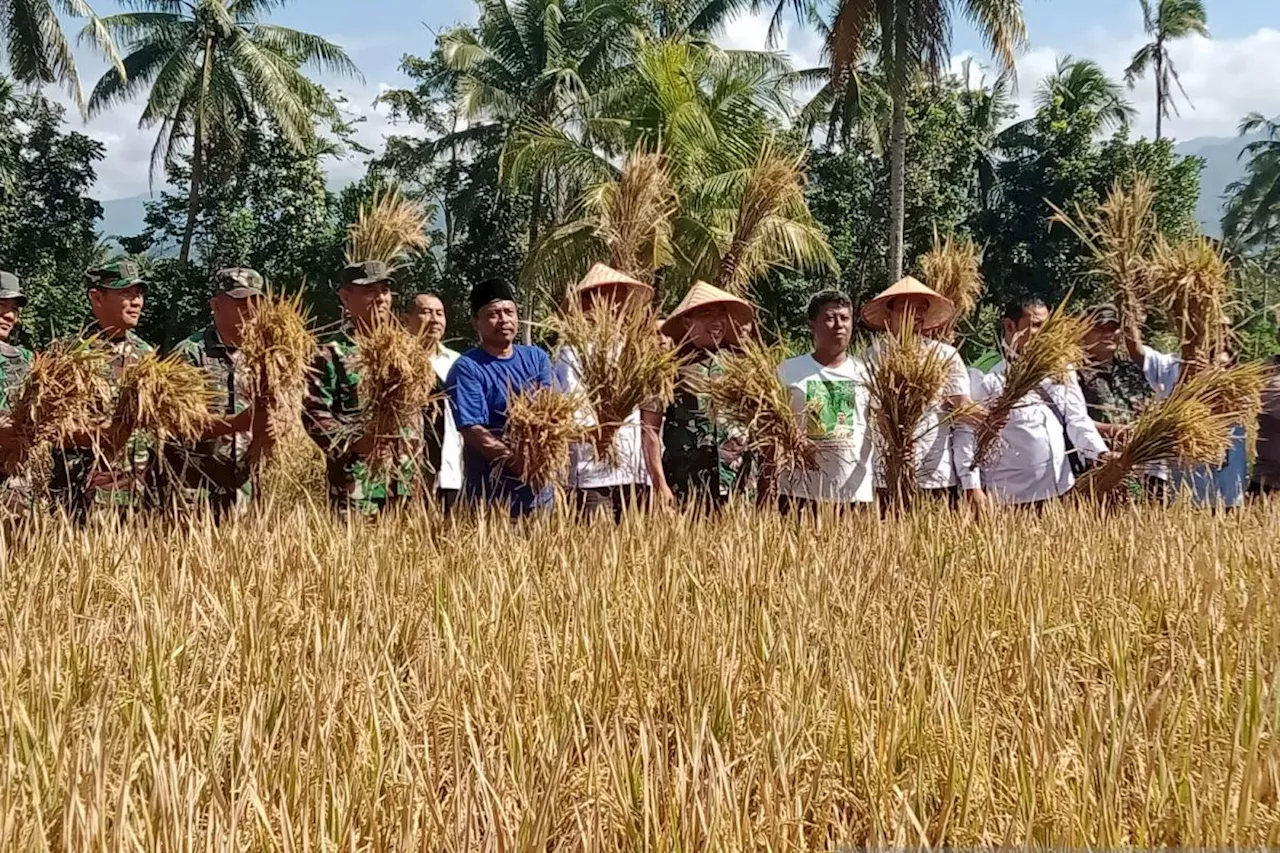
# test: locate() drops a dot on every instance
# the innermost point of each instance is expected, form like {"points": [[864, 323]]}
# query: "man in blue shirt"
{"points": [[479, 385]]}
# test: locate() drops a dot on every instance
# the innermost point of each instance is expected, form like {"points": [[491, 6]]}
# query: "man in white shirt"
{"points": [[1030, 465], [829, 390], [595, 485], [425, 318], [945, 447]]}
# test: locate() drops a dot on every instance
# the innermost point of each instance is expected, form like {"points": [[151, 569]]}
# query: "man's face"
{"points": [[117, 309], [710, 326], [9, 311], [425, 317], [1017, 334], [230, 314], [909, 309], [832, 328], [497, 323], [366, 303], [1102, 342]]}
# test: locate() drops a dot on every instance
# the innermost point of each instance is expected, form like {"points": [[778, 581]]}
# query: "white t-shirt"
{"points": [[840, 427], [585, 471], [450, 476], [936, 469]]}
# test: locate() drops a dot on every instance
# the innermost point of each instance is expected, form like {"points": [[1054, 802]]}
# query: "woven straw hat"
{"points": [[602, 275], [876, 312], [676, 325]]}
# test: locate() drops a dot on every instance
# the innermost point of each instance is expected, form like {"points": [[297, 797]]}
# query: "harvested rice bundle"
{"points": [[277, 349], [397, 383], [390, 228], [164, 397], [1193, 426], [953, 268], [621, 362], [907, 376], [1191, 280], [542, 425], [635, 216], [68, 391], [1048, 354], [1120, 234], [749, 393]]}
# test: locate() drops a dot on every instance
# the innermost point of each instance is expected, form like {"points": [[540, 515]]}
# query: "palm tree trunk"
{"points": [[897, 184], [193, 195], [1160, 94], [535, 214]]}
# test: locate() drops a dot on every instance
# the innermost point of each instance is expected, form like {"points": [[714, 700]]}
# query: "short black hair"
{"points": [[1014, 309], [823, 298]]}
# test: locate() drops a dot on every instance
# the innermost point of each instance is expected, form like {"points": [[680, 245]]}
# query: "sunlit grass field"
{"points": [[291, 683]]}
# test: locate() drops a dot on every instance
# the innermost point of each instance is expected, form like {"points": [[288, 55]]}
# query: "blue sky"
{"points": [[1235, 72]]}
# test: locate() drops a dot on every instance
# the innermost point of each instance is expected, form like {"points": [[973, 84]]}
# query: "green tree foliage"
{"points": [[47, 219]]}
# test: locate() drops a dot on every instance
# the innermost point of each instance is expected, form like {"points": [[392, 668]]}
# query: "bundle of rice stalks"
{"points": [[1048, 354], [621, 363], [748, 392], [389, 228], [906, 382], [542, 424], [67, 392], [635, 216], [1193, 426], [953, 268], [277, 348], [397, 385], [166, 398], [1191, 279], [1120, 235]]}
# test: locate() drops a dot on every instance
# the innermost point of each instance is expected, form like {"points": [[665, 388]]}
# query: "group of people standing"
{"points": [[677, 453]]}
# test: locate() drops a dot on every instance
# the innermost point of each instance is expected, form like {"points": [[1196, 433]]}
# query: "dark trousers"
{"points": [[609, 499], [922, 497], [447, 500], [788, 505]]}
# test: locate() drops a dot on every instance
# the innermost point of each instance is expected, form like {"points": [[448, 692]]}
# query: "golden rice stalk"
{"points": [[1193, 426], [748, 392], [397, 385], [774, 187], [1120, 235], [164, 397], [622, 363], [953, 267], [1048, 354], [390, 228], [542, 424], [1191, 279], [277, 347], [907, 375], [635, 216], [68, 391]]}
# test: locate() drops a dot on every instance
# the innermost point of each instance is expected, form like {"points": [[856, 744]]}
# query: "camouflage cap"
{"points": [[239, 282], [366, 272], [11, 288], [115, 276], [1103, 315]]}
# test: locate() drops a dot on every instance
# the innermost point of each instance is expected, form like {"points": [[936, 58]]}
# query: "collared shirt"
{"points": [[450, 474], [1030, 461], [1266, 468], [218, 467], [331, 416], [944, 451], [585, 471]]}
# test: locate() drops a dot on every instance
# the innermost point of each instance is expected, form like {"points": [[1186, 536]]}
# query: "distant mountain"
{"points": [[1222, 167], [124, 217]]}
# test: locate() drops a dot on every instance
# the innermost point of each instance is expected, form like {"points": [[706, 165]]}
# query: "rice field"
{"points": [[292, 683]]}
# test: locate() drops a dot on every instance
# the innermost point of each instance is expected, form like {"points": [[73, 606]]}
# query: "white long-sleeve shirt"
{"points": [[1030, 461], [450, 476], [585, 471]]}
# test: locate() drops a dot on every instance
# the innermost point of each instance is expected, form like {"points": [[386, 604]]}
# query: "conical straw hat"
{"points": [[602, 275], [676, 325], [876, 312]]}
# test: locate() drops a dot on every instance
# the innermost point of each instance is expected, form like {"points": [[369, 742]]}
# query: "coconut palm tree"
{"points": [[1164, 22], [914, 41], [212, 69], [986, 110], [1081, 87], [37, 49], [1252, 217]]}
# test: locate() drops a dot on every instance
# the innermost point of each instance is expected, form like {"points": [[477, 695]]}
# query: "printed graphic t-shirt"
{"points": [[833, 402]]}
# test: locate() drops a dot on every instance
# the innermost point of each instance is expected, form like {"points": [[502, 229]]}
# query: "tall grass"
{"points": [[751, 683]]}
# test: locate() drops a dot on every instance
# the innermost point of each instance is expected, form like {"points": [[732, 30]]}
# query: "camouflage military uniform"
{"points": [[703, 455], [216, 470], [132, 480], [15, 365], [331, 416], [1114, 394]]}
